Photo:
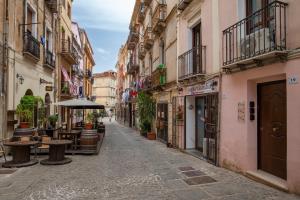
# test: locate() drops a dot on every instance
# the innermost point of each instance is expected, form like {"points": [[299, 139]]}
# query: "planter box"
{"points": [[151, 136]]}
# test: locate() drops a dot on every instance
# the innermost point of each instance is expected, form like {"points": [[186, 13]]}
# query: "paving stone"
{"points": [[130, 167], [191, 194], [193, 173], [186, 168], [199, 180]]}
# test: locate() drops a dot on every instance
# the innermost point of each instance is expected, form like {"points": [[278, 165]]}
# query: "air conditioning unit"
{"points": [[256, 43]]}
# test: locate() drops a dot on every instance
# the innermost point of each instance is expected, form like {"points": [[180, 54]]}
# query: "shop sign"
{"points": [[207, 87], [241, 111], [49, 88]]}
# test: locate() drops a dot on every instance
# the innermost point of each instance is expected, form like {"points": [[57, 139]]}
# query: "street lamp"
{"points": [[20, 78]]}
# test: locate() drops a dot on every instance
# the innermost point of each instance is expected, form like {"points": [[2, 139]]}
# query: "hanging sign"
{"points": [[49, 88]]}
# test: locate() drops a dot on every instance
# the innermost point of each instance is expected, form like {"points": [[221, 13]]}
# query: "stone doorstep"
{"points": [[268, 179]]}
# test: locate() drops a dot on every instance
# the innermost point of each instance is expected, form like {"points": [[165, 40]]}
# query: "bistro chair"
{"points": [[44, 146], [2, 149]]}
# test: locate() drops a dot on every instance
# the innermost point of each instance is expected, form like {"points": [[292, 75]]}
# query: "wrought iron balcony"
{"points": [[133, 65], [69, 52], [31, 46], [159, 77], [142, 13], [146, 2], [182, 4], [142, 51], [260, 36], [52, 4], [147, 85], [88, 73], [159, 17], [192, 63], [133, 39], [49, 59], [148, 38]]}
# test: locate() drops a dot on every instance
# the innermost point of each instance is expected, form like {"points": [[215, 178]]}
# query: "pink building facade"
{"points": [[260, 106]]}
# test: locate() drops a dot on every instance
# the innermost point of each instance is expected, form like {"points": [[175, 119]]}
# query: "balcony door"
{"points": [[260, 20], [197, 57]]}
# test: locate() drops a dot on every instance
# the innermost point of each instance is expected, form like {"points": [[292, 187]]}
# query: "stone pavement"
{"points": [[131, 167]]}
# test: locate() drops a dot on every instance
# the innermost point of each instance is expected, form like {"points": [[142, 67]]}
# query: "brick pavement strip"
{"points": [[131, 167]]}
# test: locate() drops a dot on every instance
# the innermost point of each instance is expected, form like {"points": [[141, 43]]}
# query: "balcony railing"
{"points": [[88, 73], [142, 51], [159, 77], [258, 35], [159, 17], [49, 59], [148, 38], [133, 38], [142, 14], [132, 65], [52, 4], [69, 52], [31, 46], [192, 63], [182, 4], [146, 2]]}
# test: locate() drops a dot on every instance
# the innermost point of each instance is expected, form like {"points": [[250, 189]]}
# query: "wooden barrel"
{"points": [[89, 140], [24, 132]]}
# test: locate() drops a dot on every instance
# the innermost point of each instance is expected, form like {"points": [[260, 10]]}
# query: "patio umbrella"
{"points": [[79, 104]]}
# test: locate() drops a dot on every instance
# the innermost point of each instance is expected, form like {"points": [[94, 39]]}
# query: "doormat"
{"points": [[7, 171], [193, 173], [183, 169], [199, 180]]}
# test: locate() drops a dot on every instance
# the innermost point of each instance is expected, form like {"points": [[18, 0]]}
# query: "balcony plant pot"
{"points": [[88, 126], [24, 124], [151, 135], [89, 121]]}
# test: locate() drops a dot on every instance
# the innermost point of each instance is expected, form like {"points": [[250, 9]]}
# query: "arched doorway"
{"points": [[47, 104]]}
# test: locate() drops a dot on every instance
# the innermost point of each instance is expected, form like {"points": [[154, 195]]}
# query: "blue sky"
{"points": [[106, 22]]}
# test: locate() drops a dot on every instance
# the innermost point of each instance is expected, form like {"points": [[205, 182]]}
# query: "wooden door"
{"points": [[197, 57], [272, 142], [162, 117]]}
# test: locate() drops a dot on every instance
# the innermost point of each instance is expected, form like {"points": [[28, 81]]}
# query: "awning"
{"points": [[79, 104]]}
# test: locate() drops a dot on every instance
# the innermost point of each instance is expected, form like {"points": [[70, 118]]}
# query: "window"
{"points": [[69, 10], [258, 21], [48, 40], [31, 19], [162, 52]]}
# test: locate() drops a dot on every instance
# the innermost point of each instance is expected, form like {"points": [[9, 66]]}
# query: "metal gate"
{"points": [[178, 122], [211, 127], [162, 121]]}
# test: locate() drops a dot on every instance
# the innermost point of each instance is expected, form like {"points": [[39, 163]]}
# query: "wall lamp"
{"points": [[20, 78]]}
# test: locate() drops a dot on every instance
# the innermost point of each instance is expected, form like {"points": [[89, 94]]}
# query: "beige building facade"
{"points": [[104, 90]]}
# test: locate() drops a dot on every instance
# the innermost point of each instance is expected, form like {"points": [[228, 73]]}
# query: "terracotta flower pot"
{"points": [[24, 124], [151, 136], [88, 126]]}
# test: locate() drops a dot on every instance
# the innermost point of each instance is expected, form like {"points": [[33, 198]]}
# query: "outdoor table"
{"points": [[57, 152], [73, 133], [20, 154]]}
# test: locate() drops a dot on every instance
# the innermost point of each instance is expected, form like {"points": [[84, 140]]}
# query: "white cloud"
{"points": [[111, 15], [102, 51]]}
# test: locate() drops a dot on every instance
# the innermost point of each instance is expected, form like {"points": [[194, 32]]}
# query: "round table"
{"points": [[73, 133], [57, 152], [20, 154]]}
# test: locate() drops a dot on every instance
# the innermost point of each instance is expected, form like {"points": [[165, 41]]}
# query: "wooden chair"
{"points": [[44, 146], [2, 149]]}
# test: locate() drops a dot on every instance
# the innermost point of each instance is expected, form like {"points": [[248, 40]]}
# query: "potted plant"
{"points": [[52, 120], [25, 116], [89, 121], [146, 112]]}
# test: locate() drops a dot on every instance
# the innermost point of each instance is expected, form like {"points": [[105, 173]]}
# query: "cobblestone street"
{"points": [[131, 167]]}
